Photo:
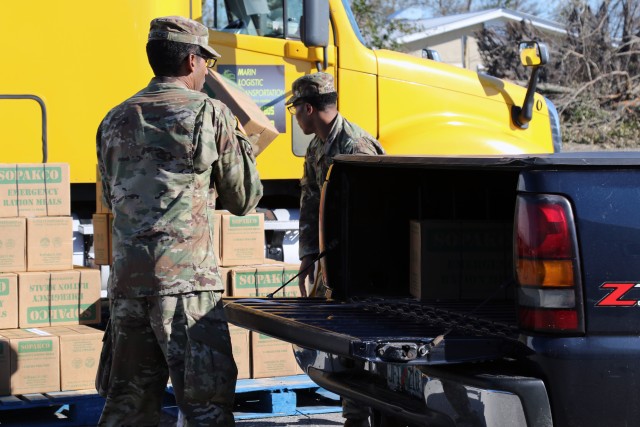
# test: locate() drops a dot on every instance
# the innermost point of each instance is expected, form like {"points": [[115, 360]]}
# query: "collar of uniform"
{"points": [[335, 129], [167, 83]]}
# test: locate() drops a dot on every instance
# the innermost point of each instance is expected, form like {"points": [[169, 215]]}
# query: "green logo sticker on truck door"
{"points": [[265, 85]]}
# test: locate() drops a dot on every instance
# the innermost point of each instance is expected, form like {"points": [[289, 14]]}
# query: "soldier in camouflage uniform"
{"points": [[314, 105], [159, 153]]}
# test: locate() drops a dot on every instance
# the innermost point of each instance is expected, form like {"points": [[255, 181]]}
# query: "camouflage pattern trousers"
{"points": [[181, 337]]}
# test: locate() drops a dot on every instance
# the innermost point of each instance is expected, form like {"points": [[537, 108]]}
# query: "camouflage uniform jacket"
{"points": [[344, 138], [159, 152]]}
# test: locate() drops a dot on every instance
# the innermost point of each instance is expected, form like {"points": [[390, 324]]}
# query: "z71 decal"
{"points": [[617, 291]]}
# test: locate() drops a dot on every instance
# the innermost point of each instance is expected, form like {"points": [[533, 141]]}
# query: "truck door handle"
{"points": [[296, 50]]}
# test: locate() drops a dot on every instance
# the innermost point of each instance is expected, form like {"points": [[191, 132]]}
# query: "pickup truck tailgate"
{"points": [[385, 330]]}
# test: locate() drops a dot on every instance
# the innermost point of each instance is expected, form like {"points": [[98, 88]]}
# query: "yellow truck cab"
{"points": [[412, 105], [65, 65]]}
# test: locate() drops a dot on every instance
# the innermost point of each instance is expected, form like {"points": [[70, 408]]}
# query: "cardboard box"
{"points": [[256, 124], [101, 207], [292, 290], [33, 301], [80, 348], [102, 238], [458, 259], [241, 281], [13, 244], [260, 280], [35, 361], [8, 190], [269, 279], [8, 300], [271, 357], [241, 350], [242, 239], [49, 243], [35, 189], [224, 274], [68, 297], [86, 287]]}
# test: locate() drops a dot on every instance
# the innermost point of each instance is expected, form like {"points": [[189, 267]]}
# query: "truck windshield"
{"points": [[352, 20], [266, 18]]}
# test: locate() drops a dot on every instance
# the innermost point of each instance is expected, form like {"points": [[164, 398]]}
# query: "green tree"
{"points": [[377, 31]]}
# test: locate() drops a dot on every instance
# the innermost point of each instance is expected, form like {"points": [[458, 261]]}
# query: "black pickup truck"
{"points": [[475, 291]]}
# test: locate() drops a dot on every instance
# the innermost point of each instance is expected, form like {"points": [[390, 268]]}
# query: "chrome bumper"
{"points": [[433, 396]]}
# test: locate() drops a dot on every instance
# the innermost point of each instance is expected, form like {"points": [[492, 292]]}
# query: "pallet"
{"points": [[255, 398], [278, 396], [66, 408]]}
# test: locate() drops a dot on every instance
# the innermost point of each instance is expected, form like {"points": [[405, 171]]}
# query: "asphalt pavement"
{"points": [[315, 420]]}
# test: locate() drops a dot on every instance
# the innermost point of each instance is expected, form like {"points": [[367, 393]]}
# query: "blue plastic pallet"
{"points": [[278, 396], [67, 408], [255, 398]]}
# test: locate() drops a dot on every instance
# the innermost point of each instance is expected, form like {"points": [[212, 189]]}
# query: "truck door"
{"points": [[259, 41]]}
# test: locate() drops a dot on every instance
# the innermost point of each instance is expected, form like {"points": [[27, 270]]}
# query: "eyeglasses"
{"points": [[293, 108], [211, 62]]}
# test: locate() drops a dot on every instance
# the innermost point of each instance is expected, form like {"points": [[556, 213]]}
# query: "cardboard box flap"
{"points": [[256, 124]]}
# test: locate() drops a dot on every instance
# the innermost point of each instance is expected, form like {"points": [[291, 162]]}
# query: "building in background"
{"points": [[453, 37]]}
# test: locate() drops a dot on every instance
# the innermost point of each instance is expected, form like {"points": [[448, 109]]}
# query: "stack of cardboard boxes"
{"points": [[239, 248], [45, 302], [102, 221], [247, 273]]}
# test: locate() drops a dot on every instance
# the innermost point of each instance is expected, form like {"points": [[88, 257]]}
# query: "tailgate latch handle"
{"points": [[401, 351]]}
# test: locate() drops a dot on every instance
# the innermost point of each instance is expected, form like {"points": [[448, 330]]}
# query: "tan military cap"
{"points": [[181, 30], [311, 85]]}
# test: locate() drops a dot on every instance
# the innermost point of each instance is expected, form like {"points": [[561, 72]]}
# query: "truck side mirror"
{"points": [[532, 54], [315, 23]]}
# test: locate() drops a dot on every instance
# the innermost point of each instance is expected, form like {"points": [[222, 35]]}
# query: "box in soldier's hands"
{"points": [[256, 124]]}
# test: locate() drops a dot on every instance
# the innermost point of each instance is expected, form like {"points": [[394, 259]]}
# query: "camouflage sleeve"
{"points": [[365, 146], [106, 189], [308, 243], [235, 175]]}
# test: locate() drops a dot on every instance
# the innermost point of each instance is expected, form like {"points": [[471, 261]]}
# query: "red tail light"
{"points": [[543, 232], [547, 267]]}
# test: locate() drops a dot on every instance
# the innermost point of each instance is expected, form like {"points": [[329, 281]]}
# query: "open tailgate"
{"points": [[384, 330]]}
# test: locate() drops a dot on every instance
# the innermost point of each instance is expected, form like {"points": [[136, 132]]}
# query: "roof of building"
{"points": [[428, 27]]}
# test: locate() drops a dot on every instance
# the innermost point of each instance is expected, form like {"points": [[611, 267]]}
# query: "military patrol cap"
{"points": [[312, 85], [181, 30]]}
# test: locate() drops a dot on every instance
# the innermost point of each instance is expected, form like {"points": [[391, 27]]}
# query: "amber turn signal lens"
{"points": [[533, 272]]}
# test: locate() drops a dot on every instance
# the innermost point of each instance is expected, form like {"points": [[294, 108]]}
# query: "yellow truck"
{"points": [[65, 64]]}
